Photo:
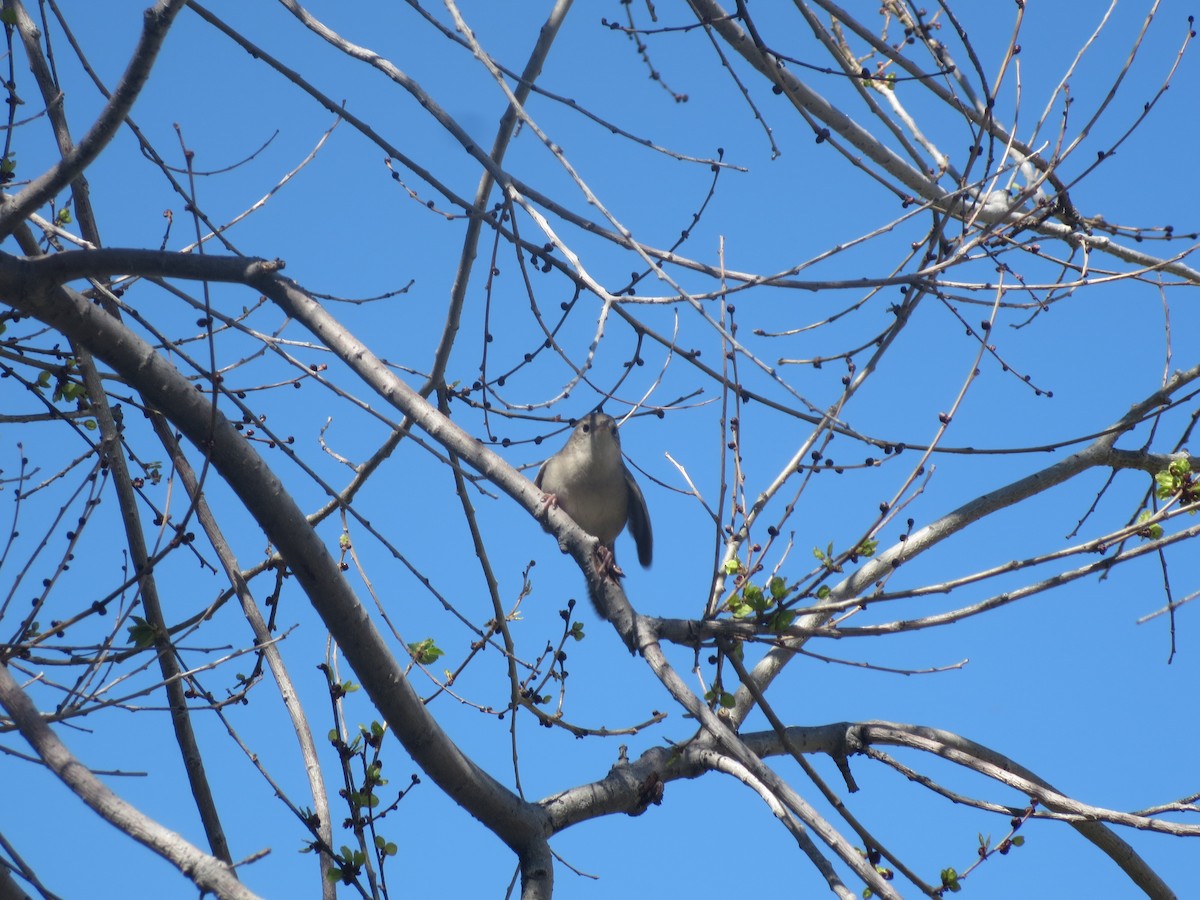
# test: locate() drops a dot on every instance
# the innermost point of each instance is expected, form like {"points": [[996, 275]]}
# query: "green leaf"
{"points": [[720, 696], [778, 587], [1174, 478], [826, 557], [823, 591], [782, 620], [754, 597], [141, 633], [385, 846], [739, 607], [1148, 532], [732, 567], [425, 652], [867, 547], [950, 881], [1164, 480]]}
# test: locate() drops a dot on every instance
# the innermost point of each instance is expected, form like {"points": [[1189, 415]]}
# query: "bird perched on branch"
{"points": [[587, 479]]}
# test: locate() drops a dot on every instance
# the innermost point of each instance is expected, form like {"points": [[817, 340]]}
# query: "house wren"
{"points": [[588, 480]]}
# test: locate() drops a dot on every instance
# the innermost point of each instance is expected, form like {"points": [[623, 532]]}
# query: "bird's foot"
{"points": [[606, 562]]}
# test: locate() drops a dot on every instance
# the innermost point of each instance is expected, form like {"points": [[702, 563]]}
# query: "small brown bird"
{"points": [[588, 480]]}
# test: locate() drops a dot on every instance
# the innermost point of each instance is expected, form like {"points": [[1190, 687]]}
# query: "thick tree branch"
{"points": [[816, 109], [982, 759], [517, 823], [207, 872], [1098, 453], [156, 22]]}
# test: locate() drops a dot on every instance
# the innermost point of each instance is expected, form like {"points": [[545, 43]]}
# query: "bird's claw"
{"points": [[606, 562]]}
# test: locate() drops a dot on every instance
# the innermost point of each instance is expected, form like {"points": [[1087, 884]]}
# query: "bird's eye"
{"points": [[587, 428]]}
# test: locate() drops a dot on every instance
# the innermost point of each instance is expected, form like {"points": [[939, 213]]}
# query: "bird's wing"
{"points": [[639, 521]]}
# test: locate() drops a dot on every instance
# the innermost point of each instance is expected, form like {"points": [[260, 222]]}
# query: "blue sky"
{"points": [[1065, 683]]}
